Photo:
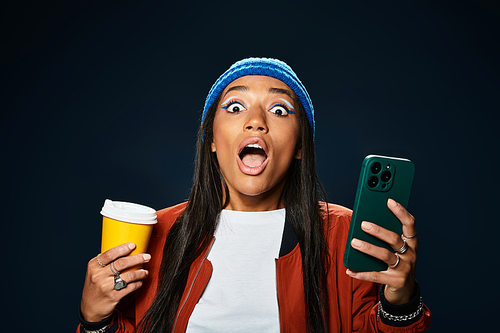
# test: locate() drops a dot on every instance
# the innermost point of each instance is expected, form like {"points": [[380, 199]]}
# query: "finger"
{"points": [[393, 281], [133, 280], [132, 286], [375, 251], [113, 295], [374, 277], [131, 261], [116, 252], [135, 275], [404, 216], [391, 238]]}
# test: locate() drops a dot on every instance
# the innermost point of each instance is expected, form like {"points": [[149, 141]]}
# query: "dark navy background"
{"points": [[102, 99]]}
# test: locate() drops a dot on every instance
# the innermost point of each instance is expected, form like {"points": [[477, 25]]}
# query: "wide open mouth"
{"points": [[253, 155]]}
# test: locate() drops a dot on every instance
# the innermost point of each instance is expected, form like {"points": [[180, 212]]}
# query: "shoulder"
{"points": [[336, 219], [166, 217], [166, 214], [334, 213]]}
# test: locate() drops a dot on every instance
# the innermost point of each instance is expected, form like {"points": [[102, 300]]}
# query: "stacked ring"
{"points": [[403, 248], [113, 269], [119, 283]]}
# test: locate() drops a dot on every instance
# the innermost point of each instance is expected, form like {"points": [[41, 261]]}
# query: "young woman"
{"points": [[254, 250]]}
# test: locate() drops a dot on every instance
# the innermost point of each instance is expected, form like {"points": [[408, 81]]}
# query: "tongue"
{"points": [[253, 160]]}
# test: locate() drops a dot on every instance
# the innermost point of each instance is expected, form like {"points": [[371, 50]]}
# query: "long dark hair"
{"points": [[198, 222]]}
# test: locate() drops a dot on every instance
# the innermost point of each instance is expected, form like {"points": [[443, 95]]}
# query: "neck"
{"points": [[255, 203]]}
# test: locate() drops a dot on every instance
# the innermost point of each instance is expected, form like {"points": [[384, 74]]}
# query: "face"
{"points": [[255, 137]]}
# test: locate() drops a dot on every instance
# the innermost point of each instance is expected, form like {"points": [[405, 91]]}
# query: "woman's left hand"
{"points": [[400, 279]]}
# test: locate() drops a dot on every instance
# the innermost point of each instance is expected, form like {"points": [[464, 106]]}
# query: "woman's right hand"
{"points": [[99, 298]]}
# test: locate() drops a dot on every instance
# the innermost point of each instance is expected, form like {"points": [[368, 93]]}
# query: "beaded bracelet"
{"points": [[410, 316], [101, 330]]}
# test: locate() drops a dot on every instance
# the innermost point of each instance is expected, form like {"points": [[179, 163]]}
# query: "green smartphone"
{"points": [[381, 178]]}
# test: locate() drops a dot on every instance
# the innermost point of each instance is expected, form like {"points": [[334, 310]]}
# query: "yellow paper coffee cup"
{"points": [[124, 222]]}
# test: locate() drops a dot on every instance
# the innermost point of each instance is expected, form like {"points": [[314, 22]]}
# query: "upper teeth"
{"points": [[255, 145]]}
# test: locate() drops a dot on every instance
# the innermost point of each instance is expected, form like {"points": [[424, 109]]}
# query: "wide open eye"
{"points": [[280, 110], [234, 107]]}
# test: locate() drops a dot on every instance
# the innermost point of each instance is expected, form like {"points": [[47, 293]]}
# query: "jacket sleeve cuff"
{"points": [[400, 315], [93, 326]]}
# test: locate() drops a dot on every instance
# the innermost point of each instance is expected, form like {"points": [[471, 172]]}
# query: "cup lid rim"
{"points": [[128, 212]]}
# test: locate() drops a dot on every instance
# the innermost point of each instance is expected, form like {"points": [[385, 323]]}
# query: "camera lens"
{"points": [[372, 181], [376, 167], [385, 176]]}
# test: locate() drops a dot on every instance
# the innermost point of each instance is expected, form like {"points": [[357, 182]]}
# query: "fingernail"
{"points": [[146, 257], [349, 272], [392, 203], [131, 246], [366, 226], [356, 243]]}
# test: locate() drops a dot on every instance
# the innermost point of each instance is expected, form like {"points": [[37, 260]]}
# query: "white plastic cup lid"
{"points": [[128, 212]]}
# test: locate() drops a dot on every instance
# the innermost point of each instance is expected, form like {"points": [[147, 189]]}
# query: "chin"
{"points": [[261, 189], [251, 192]]}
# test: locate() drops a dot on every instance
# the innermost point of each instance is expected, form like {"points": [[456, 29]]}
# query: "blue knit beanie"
{"points": [[262, 66]]}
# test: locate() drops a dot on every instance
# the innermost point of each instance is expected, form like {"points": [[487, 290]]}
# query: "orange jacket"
{"points": [[352, 303]]}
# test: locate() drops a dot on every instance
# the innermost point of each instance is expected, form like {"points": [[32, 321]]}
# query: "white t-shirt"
{"points": [[241, 295]]}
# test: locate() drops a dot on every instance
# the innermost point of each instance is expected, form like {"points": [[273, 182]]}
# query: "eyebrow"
{"points": [[281, 91], [236, 88], [278, 91]]}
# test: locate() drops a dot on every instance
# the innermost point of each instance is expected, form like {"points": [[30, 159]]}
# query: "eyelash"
{"points": [[232, 102], [284, 107], [229, 104]]}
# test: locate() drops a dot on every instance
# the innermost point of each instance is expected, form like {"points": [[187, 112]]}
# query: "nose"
{"points": [[256, 121]]}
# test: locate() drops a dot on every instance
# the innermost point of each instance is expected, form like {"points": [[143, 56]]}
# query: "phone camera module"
{"points": [[372, 181], [376, 167], [385, 176]]}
